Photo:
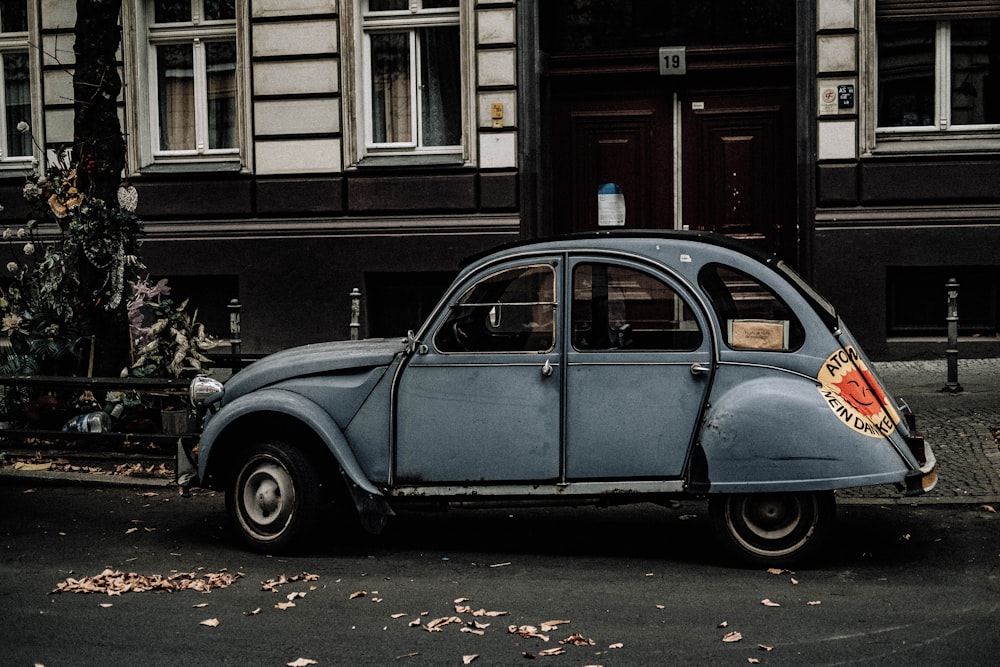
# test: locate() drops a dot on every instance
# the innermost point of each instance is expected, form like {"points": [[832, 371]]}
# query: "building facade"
{"points": [[288, 151]]}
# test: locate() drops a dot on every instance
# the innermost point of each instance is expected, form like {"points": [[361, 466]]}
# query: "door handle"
{"points": [[547, 369], [698, 369]]}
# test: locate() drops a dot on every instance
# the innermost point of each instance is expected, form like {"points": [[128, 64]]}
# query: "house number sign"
{"points": [[673, 60]]}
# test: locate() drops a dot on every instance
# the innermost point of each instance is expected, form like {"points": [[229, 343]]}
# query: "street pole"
{"points": [[953, 387]]}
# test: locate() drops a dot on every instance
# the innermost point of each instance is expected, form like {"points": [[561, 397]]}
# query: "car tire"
{"points": [[773, 529], [273, 497]]}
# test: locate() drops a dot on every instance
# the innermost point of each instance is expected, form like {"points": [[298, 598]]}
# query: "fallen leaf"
{"points": [[731, 637], [813, 603], [767, 603], [552, 651], [399, 615], [210, 622], [200, 605], [436, 624], [252, 612], [989, 508], [576, 639], [549, 626], [724, 624], [301, 662], [526, 631], [292, 596], [795, 582], [461, 600], [283, 606], [617, 645], [357, 594], [777, 570], [753, 661], [473, 631], [414, 623], [467, 659], [106, 605], [131, 530], [764, 647]]}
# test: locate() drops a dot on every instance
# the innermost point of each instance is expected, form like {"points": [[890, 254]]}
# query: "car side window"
{"points": [[751, 315], [620, 308], [509, 311]]}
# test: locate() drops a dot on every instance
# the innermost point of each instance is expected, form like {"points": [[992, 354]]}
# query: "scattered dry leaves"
{"points": [[114, 582]]}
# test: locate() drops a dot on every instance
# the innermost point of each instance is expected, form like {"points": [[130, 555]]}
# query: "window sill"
{"points": [[452, 160], [200, 166], [938, 145]]}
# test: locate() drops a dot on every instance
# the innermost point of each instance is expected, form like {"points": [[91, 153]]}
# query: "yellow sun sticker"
{"points": [[854, 395]]}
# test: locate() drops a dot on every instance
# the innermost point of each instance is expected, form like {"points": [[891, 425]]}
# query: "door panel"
{"points": [[481, 400], [738, 167], [632, 401], [627, 141]]}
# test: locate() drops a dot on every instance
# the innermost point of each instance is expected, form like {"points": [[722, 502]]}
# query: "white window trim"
{"points": [[942, 138], [13, 42], [140, 74], [357, 103]]}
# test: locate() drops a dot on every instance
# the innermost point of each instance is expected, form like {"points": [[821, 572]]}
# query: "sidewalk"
{"points": [[959, 426]]}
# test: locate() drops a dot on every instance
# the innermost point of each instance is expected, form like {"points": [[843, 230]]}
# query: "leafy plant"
{"points": [[173, 345]]}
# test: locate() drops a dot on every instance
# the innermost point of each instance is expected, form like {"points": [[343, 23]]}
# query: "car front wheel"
{"points": [[273, 496], [772, 529]]}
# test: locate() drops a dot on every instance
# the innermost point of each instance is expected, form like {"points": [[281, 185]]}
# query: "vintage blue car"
{"points": [[604, 368]]}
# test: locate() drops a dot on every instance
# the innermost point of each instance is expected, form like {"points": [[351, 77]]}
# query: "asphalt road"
{"points": [[902, 585]]}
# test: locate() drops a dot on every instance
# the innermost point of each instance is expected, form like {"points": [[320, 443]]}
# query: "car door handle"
{"points": [[547, 369], [698, 369]]}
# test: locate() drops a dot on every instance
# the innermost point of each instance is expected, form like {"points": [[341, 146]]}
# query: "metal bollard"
{"points": [[235, 333], [953, 387], [355, 313]]}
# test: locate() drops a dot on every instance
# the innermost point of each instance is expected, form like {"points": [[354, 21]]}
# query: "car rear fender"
{"points": [[780, 432], [218, 442]]}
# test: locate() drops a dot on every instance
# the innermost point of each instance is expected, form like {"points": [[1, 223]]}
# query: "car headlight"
{"points": [[202, 388]]}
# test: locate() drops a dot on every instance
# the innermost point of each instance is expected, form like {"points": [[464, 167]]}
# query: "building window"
{"points": [[935, 75], [191, 61], [15, 94], [410, 88]]}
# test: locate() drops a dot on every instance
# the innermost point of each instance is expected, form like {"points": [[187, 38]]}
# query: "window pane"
{"points": [[172, 11], [974, 88], [220, 59], [220, 10], [751, 316], [17, 102], [14, 15], [391, 104], [617, 308], [510, 311], [175, 93], [906, 74], [440, 86], [440, 4], [387, 5]]}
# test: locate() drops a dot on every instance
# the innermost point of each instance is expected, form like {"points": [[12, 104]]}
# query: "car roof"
{"points": [[710, 239]]}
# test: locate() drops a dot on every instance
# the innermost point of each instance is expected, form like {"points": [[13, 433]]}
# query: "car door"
{"points": [[638, 366], [480, 401]]}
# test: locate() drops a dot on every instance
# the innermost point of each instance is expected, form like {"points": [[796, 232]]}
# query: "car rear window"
{"points": [[750, 314]]}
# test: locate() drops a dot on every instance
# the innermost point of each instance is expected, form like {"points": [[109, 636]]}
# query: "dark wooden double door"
{"points": [[733, 170]]}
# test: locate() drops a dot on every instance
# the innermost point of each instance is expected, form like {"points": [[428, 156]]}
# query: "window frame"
{"points": [[942, 136], [22, 42], [141, 62], [359, 147]]}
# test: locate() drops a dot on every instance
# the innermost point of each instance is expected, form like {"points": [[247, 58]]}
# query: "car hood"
{"points": [[316, 359]]}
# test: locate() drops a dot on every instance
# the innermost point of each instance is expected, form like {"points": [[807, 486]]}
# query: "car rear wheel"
{"points": [[273, 497], [773, 528]]}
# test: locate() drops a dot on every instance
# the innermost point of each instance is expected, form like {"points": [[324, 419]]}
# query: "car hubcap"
{"points": [[268, 497]]}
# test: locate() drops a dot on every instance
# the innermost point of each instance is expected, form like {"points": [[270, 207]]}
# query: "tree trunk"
{"points": [[99, 155]]}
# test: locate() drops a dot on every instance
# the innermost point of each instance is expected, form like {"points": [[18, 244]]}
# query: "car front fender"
{"points": [[287, 403], [780, 433]]}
